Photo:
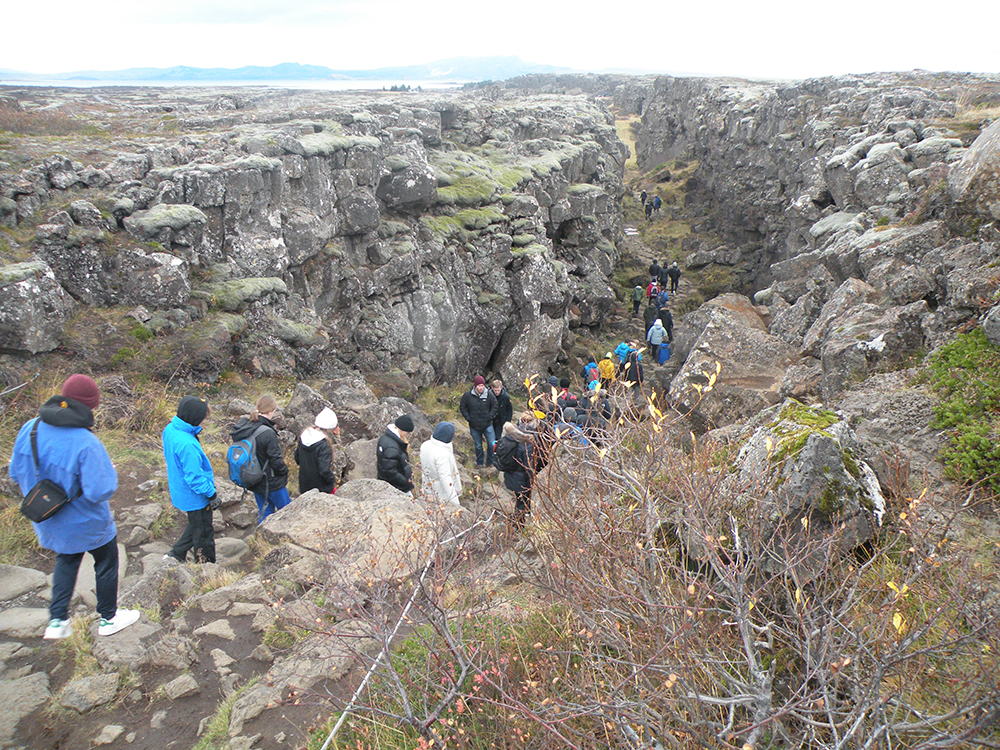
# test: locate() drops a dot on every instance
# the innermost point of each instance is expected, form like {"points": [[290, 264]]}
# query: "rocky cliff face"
{"points": [[859, 211], [441, 236]]}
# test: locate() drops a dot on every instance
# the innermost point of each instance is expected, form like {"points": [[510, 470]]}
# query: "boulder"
{"points": [[18, 699], [851, 293], [89, 692], [868, 338], [733, 350], [359, 212], [171, 225], [809, 488], [86, 214], [410, 189], [158, 280], [33, 308], [368, 529], [974, 182]]}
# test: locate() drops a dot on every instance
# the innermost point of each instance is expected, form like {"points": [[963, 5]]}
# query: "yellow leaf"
{"points": [[539, 414], [893, 586], [527, 383], [690, 589], [805, 523], [899, 623], [753, 603]]}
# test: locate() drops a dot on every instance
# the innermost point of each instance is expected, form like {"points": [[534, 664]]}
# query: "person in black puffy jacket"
{"points": [[479, 407], [314, 456], [274, 496], [391, 460]]}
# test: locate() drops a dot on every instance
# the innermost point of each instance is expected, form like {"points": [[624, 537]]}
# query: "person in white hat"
{"points": [[314, 456]]}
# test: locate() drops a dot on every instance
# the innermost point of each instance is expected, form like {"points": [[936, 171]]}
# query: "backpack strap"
{"points": [[34, 455]]}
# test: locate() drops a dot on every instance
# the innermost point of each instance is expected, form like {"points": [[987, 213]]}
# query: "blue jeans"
{"points": [[275, 500], [105, 577], [477, 440]]}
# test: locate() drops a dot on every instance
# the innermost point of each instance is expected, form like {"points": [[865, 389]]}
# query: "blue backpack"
{"points": [[245, 469]]}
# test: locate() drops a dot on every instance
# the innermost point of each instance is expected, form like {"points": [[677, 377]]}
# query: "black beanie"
{"points": [[564, 382], [192, 409], [405, 423]]}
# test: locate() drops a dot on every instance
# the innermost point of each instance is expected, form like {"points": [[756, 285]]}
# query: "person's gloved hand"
{"points": [[214, 501]]}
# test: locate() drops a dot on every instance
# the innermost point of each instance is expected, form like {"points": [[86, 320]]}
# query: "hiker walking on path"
{"points": [[637, 294], [191, 480], [642, 198], [438, 468], [655, 337], [649, 210], [657, 203], [654, 270], [59, 446], [259, 425], [674, 273], [392, 462], [314, 455], [649, 315], [479, 406]]}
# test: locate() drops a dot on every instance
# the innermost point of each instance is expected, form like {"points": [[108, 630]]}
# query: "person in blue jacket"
{"points": [[70, 455], [191, 481]]}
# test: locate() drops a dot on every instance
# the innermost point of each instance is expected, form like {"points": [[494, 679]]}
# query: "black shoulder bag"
{"points": [[46, 498]]}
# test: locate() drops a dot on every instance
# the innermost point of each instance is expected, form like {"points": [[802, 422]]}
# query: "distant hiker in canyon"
{"points": [[668, 323], [190, 480], [637, 294], [58, 446], [674, 273], [654, 270], [314, 455], [642, 197], [606, 368], [392, 463], [438, 468], [259, 427], [649, 210], [657, 203], [479, 407]]}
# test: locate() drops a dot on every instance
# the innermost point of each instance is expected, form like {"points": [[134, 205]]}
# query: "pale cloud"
{"points": [[781, 38]]}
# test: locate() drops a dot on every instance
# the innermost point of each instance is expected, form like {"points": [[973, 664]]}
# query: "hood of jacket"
{"points": [[310, 436], [60, 411]]}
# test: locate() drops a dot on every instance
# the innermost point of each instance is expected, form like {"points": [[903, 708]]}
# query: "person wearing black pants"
{"points": [[191, 481]]}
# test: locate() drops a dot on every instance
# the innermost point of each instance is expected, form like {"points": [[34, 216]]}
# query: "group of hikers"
{"points": [[659, 322], [59, 447], [650, 204]]}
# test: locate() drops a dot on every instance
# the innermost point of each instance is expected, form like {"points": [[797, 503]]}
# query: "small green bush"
{"points": [[966, 374]]}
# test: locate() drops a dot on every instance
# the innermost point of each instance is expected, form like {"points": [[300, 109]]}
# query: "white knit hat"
{"points": [[326, 419]]}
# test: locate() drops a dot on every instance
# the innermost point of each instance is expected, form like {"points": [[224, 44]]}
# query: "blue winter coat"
{"points": [[656, 334], [189, 474], [70, 455]]}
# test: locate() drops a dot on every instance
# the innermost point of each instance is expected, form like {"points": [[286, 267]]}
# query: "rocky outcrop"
{"points": [[33, 308], [440, 237]]}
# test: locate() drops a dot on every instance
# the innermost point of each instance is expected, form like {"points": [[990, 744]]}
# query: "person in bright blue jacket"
{"points": [[70, 455], [191, 481]]}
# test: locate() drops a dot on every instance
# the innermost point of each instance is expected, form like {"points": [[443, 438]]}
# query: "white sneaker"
{"points": [[57, 629], [122, 619]]}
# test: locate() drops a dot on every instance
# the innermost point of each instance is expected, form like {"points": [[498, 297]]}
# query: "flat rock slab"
{"points": [[18, 698], [88, 692], [15, 581], [125, 648], [109, 734], [24, 622], [218, 628]]}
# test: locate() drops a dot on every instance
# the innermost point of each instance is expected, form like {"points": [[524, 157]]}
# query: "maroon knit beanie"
{"points": [[479, 380], [83, 389]]}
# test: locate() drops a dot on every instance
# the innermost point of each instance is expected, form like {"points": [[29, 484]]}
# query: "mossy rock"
{"points": [[328, 143], [387, 229], [522, 240], [581, 189], [295, 334], [18, 272], [235, 294], [166, 215], [480, 218]]}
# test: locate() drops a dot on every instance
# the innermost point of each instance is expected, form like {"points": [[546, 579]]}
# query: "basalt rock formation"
{"points": [[308, 234]]}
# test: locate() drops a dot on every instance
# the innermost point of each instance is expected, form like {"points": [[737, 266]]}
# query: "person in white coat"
{"points": [[438, 468]]}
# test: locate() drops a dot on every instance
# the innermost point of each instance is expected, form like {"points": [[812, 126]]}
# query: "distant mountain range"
{"points": [[459, 69]]}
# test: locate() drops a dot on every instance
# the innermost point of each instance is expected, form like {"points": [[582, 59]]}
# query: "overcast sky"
{"points": [[778, 38]]}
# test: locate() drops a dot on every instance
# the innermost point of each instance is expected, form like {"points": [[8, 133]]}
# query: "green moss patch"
{"points": [[232, 295]]}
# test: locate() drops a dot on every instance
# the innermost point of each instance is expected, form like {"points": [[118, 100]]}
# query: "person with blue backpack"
{"points": [[271, 493], [191, 480]]}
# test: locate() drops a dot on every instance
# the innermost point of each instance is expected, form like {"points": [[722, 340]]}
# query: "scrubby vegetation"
{"points": [[646, 619], [966, 374]]}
